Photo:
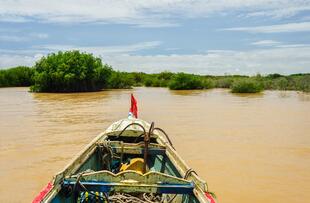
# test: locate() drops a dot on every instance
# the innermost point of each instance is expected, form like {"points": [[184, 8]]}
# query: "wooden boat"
{"points": [[131, 161]]}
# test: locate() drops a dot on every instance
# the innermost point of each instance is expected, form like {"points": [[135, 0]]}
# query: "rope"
{"points": [[152, 128], [167, 137], [144, 198], [146, 146], [147, 137], [138, 124], [188, 172], [106, 155], [122, 152], [136, 140]]}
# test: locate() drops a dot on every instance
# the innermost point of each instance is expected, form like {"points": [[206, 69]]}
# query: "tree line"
{"points": [[74, 71]]}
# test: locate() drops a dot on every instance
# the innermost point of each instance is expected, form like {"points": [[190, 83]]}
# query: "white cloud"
{"points": [[266, 43], [285, 60], [102, 50], [280, 60], [18, 37], [96, 50], [12, 60], [280, 13], [145, 13], [292, 45], [277, 44], [12, 38], [12, 18], [39, 35], [156, 24], [289, 27]]}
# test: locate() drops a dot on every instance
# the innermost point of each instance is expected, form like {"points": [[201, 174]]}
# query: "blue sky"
{"points": [[202, 36]]}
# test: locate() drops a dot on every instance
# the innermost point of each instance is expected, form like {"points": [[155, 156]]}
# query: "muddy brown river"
{"points": [[249, 148]]}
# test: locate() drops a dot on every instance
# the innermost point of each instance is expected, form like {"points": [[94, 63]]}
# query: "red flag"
{"points": [[134, 108]]}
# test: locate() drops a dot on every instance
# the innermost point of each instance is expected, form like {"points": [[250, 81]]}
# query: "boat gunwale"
{"points": [[201, 185]]}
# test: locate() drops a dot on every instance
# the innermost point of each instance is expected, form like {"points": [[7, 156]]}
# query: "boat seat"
{"points": [[134, 148]]}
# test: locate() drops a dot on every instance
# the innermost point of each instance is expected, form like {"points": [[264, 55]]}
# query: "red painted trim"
{"points": [[209, 197], [43, 193]]}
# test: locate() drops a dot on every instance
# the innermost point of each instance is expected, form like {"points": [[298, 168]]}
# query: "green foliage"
{"points": [[166, 75], [138, 78], [246, 86], [16, 77], [120, 80], [274, 76], [303, 83], [299, 82], [183, 81], [163, 79], [157, 80], [70, 71], [208, 83], [281, 83], [224, 82], [73, 71], [148, 82]]}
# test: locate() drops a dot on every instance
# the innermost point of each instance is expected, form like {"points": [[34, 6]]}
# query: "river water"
{"points": [[249, 148]]}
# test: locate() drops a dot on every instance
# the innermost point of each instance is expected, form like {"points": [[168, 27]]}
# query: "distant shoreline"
{"points": [[75, 71], [22, 77]]}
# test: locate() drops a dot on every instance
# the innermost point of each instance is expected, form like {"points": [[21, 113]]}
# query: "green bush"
{"points": [[148, 82], [303, 83], [16, 77], [224, 82], [157, 80], [281, 83], [120, 80], [274, 76], [246, 86], [138, 78], [166, 75], [73, 71], [208, 83], [70, 71], [183, 81], [164, 78]]}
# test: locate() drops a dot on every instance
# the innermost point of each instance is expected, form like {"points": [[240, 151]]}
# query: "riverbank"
{"points": [[22, 76]]}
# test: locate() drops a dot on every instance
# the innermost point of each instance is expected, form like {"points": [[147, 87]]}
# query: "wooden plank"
{"points": [[151, 177], [125, 187], [134, 148]]}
